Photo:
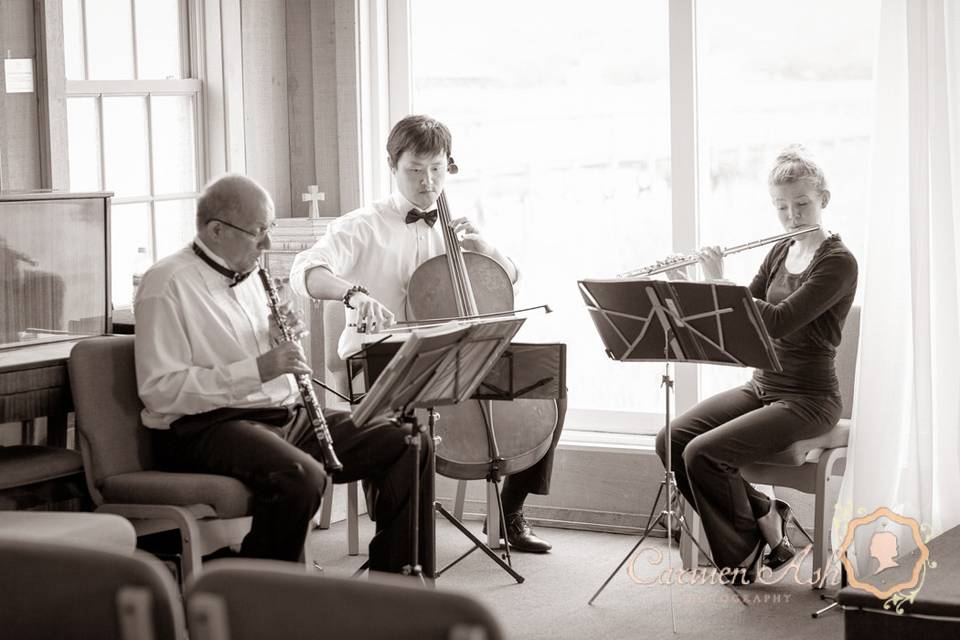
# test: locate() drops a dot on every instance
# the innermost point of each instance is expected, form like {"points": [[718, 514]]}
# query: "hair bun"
{"points": [[793, 153], [795, 162]]}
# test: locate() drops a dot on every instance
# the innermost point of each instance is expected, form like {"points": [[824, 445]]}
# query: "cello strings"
{"points": [[466, 304]]}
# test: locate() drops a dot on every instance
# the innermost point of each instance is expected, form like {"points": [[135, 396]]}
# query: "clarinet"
{"points": [[309, 396]]}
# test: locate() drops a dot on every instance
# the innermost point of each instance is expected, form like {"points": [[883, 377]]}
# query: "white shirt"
{"points": [[197, 341], [372, 246]]}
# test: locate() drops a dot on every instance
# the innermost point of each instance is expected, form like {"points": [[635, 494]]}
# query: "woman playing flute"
{"points": [[803, 290]]}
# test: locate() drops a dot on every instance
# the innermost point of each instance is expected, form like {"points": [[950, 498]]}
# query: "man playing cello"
{"points": [[367, 257]]}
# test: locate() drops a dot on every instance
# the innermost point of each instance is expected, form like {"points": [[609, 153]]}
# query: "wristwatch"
{"points": [[357, 288]]}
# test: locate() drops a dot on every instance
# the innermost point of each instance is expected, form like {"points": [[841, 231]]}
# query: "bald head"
{"points": [[232, 213], [229, 197]]}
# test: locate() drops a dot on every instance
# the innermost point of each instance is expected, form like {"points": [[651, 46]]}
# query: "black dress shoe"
{"points": [[521, 537]]}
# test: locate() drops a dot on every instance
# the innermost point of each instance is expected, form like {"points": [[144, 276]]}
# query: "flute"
{"points": [[307, 393], [668, 264]]}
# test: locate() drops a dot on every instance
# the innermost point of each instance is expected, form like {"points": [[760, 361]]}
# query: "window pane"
{"points": [[83, 141], [125, 145], [158, 39], [176, 224], [109, 39], [564, 155], [73, 39], [174, 154], [129, 230], [802, 79]]}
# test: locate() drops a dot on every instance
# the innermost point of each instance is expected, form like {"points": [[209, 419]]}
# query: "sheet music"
{"points": [[433, 367], [705, 322]]}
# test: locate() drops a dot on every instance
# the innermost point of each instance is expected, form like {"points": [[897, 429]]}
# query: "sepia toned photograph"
{"points": [[509, 319]]}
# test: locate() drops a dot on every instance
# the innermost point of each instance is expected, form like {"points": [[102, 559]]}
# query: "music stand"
{"points": [[523, 371], [641, 320], [433, 367]]}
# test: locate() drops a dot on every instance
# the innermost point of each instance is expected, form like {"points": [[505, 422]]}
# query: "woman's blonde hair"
{"points": [[794, 163]]}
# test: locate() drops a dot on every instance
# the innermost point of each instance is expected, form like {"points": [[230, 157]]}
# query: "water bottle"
{"points": [[140, 266]]}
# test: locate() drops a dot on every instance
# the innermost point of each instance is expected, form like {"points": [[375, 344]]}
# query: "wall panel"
{"points": [[19, 131]]}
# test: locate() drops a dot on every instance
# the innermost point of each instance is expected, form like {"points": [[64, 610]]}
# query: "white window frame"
{"points": [[214, 74], [190, 86], [387, 94]]}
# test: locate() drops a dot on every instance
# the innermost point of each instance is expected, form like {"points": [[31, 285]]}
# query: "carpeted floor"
{"points": [[552, 602]]}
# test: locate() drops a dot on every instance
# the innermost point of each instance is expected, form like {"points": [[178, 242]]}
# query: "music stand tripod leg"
{"points": [[820, 612], [832, 598], [477, 544], [413, 442], [414, 567], [669, 483], [686, 338], [651, 523], [662, 519], [361, 569], [493, 478]]}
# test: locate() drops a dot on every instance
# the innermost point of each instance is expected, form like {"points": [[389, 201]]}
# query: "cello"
{"points": [[480, 438]]}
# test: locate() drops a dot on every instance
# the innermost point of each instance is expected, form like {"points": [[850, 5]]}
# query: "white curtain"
{"points": [[905, 445]]}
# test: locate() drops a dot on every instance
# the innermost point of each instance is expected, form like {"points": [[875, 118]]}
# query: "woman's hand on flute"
{"points": [[711, 261], [680, 273]]}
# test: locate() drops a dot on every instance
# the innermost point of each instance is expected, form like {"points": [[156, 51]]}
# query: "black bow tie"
{"points": [[219, 268], [430, 217]]}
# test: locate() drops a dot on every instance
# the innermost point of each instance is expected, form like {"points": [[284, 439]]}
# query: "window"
{"points": [[802, 79], [564, 157], [133, 123], [562, 121]]}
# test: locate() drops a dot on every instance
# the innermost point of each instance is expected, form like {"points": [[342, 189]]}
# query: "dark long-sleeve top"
{"points": [[804, 314]]}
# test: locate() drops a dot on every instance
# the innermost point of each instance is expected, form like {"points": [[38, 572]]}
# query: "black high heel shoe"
{"points": [[781, 553]]}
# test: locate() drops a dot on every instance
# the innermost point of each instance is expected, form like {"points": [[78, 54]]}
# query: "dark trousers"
{"points": [[276, 454], [536, 479], [712, 441]]}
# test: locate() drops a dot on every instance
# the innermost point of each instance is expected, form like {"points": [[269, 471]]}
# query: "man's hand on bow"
{"points": [[372, 316]]}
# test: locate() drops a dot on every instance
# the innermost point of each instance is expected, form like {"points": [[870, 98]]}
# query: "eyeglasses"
{"points": [[258, 236]]}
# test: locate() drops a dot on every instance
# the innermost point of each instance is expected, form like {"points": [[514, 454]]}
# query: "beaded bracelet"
{"points": [[357, 288]]}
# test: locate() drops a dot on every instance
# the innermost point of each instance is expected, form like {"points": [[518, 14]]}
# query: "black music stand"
{"points": [[433, 367], [641, 320]]}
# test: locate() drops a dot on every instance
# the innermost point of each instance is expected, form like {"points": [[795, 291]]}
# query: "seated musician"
{"points": [[368, 255], [803, 290], [215, 378]]}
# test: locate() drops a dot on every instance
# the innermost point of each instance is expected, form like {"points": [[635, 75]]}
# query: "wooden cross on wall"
{"points": [[313, 195]]}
